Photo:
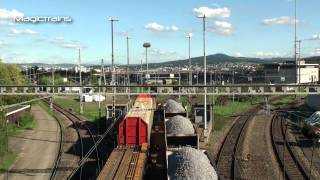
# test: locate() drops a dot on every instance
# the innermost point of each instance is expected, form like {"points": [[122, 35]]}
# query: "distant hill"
{"points": [[221, 58], [66, 65], [211, 59]]}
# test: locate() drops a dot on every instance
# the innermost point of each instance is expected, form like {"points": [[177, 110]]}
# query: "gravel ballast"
{"points": [[179, 125], [172, 106], [189, 163]]}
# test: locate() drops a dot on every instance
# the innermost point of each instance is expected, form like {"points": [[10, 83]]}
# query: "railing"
{"points": [[241, 89]]}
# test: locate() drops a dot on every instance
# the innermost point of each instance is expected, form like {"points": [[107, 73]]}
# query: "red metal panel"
{"points": [[144, 96], [131, 130], [143, 132], [121, 131]]}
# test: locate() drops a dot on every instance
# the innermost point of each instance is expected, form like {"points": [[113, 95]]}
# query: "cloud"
{"points": [[271, 54], [314, 37], [158, 52], [123, 33], [222, 27], [10, 14], [2, 43], [7, 17], [214, 13], [60, 41], [238, 54], [160, 28], [190, 34], [57, 40], [15, 32], [280, 20], [72, 45], [160, 55]]}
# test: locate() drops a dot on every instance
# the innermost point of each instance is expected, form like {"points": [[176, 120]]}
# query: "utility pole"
{"points": [[128, 63], [233, 84], [27, 74], [190, 72], [190, 64], [295, 37], [80, 81], [112, 20], [299, 60], [101, 75], [205, 69], [52, 96], [180, 85], [147, 45]]}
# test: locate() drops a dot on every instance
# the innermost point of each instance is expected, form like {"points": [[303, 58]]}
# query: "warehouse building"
{"points": [[290, 73]]}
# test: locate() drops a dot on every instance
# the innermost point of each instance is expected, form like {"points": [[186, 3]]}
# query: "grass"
{"points": [[26, 121], [283, 101], [6, 160], [45, 108], [90, 109], [223, 114], [7, 157]]}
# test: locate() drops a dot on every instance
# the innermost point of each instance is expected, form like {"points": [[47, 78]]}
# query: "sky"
{"points": [[250, 28]]}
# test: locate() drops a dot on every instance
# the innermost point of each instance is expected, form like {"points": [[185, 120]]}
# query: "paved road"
{"points": [[37, 149]]}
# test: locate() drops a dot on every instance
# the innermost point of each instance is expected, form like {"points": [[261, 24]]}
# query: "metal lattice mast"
{"points": [[112, 20]]}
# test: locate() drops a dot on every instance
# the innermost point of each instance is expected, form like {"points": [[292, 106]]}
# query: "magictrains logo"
{"points": [[43, 19]]}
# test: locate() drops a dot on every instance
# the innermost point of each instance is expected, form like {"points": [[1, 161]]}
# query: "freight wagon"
{"points": [[135, 128], [128, 160]]}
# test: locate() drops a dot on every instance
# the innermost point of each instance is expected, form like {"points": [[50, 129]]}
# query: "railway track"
{"points": [[58, 159], [288, 160], [227, 163], [122, 164], [78, 125]]}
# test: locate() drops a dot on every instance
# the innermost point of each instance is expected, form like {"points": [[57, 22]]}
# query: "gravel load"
{"points": [[179, 125], [190, 164], [172, 106]]}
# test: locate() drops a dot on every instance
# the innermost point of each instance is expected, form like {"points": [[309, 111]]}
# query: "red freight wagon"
{"points": [[135, 128]]}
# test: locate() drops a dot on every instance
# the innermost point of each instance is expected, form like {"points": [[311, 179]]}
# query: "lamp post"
{"points": [[128, 62], [147, 45], [205, 68], [190, 72], [112, 20]]}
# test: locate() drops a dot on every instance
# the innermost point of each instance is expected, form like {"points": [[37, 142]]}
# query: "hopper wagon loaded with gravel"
{"points": [[179, 129], [184, 159]]}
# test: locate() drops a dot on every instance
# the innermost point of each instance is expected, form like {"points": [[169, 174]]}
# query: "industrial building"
{"points": [[291, 73]]}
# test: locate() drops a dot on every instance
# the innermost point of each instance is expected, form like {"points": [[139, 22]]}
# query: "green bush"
{"points": [[26, 121]]}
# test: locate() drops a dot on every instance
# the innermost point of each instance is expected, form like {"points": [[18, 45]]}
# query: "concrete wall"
{"points": [[313, 101], [274, 76]]}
